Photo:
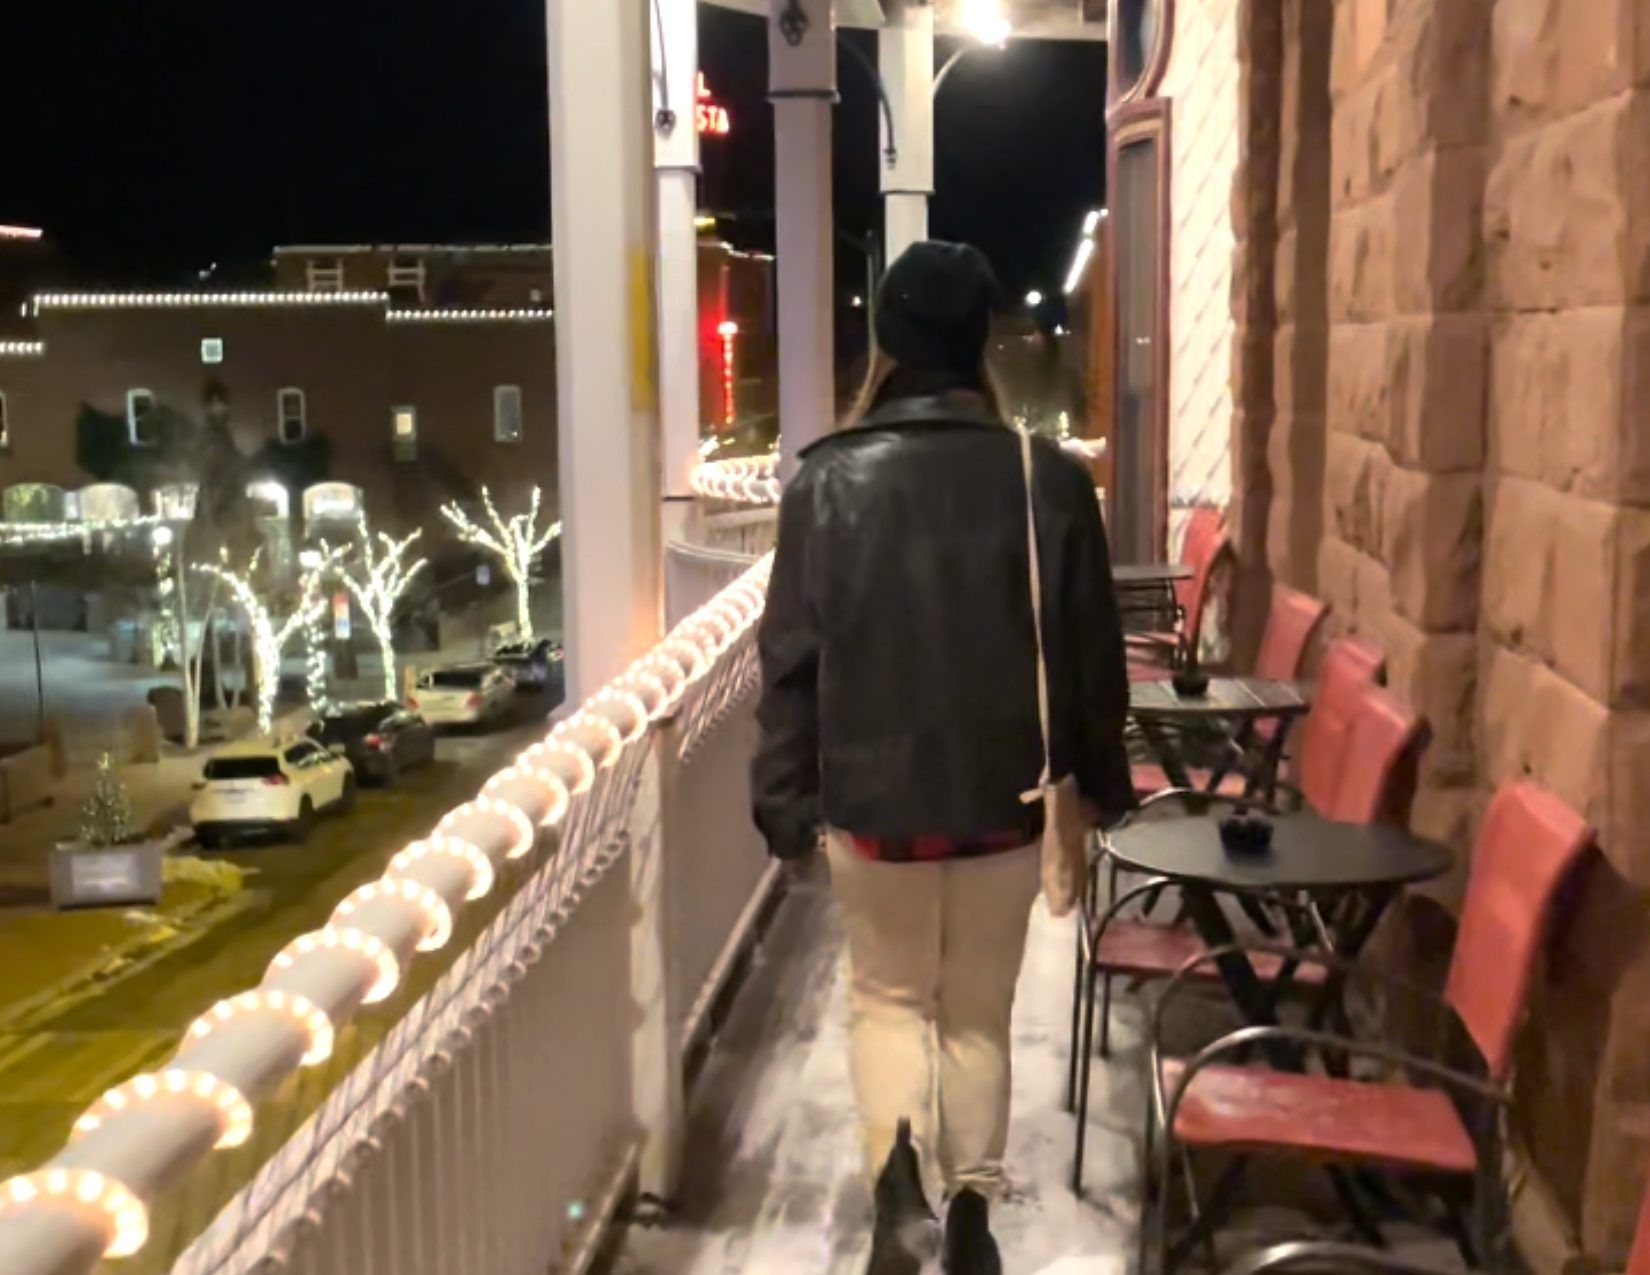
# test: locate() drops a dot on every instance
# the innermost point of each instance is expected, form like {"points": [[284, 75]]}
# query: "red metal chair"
{"points": [[1384, 734], [1292, 622], [1382, 738], [1349, 665], [1529, 842], [1205, 545], [1315, 1257]]}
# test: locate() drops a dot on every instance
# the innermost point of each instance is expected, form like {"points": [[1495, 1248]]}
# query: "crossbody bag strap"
{"points": [[1036, 616]]}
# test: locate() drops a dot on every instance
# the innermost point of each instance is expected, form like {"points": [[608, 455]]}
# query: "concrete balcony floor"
{"points": [[772, 1182]]}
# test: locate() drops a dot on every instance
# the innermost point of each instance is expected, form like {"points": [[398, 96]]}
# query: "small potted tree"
{"points": [[110, 862]]}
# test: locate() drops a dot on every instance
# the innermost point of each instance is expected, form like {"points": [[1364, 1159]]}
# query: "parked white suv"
{"points": [[260, 787], [463, 695]]}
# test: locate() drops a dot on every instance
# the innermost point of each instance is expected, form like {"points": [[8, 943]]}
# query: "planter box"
{"points": [[107, 876]]}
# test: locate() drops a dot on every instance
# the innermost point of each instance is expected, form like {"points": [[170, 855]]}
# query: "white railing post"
{"points": [[802, 87], [656, 1059], [676, 165], [602, 203]]}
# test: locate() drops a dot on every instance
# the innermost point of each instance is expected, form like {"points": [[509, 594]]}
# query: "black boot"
{"points": [[904, 1233], [969, 1246]]}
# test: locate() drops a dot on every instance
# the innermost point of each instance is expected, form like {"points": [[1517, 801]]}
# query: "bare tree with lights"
{"points": [[270, 637], [516, 542], [377, 574]]}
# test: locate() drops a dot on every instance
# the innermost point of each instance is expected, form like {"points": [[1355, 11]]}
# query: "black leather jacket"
{"points": [[898, 661]]}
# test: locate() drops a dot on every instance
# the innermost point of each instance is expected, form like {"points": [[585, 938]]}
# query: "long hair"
{"points": [[880, 370]]}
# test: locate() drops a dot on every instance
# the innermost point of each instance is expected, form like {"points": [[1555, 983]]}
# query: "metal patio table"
{"points": [[1353, 871], [1232, 706]]}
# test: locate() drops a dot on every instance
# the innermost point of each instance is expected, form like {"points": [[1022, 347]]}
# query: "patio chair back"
{"points": [[1638, 1261], [1290, 626], [1214, 545], [1349, 665], [1204, 531], [1528, 843], [1382, 738]]}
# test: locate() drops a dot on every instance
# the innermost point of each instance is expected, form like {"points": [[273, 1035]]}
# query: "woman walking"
{"points": [[900, 716]]}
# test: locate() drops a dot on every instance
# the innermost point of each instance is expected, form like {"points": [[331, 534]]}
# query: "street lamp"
{"points": [[1034, 299], [985, 21]]}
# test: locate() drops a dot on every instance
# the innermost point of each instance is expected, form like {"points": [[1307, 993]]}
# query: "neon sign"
{"points": [[710, 118]]}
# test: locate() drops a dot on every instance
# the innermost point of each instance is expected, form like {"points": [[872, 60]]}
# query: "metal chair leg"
{"points": [[1105, 1016], [1076, 1018], [1148, 1187], [1085, 1064]]}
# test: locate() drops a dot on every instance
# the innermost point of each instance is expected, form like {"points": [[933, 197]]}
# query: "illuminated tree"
{"points": [[516, 542], [270, 637], [377, 576]]}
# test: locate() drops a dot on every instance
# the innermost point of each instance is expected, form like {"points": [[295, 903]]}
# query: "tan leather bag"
{"points": [[1065, 827]]}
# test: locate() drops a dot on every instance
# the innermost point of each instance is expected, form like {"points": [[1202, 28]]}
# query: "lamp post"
{"points": [[905, 50]]}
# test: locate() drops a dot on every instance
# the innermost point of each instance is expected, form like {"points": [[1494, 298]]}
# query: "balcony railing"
{"points": [[497, 1121]]}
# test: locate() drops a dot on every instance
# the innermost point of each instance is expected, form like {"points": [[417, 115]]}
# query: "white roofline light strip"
{"points": [[199, 300], [469, 316], [22, 349]]}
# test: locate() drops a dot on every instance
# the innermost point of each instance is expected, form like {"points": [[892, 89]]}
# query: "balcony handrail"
{"points": [[579, 785]]}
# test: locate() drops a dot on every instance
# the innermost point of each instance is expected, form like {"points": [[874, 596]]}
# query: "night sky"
{"points": [[154, 139]]}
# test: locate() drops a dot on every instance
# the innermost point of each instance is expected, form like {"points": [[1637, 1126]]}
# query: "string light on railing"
{"points": [[438, 917], [352, 940], [124, 1216], [545, 778], [495, 807], [612, 742], [327, 962], [647, 687], [299, 1008], [234, 1111], [482, 872], [670, 675], [620, 699], [557, 748], [692, 657], [748, 480], [22, 349]]}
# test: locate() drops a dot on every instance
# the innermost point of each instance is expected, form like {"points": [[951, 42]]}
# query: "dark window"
{"points": [[291, 414], [242, 768], [140, 406], [462, 679], [1139, 24], [404, 432], [324, 274], [507, 413]]}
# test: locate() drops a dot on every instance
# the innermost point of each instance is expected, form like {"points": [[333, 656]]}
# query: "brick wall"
{"points": [[1460, 382]]}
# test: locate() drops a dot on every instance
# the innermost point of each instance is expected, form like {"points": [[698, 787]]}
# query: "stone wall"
{"points": [[1460, 452]]}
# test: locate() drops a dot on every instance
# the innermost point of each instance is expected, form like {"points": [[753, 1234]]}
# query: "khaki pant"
{"points": [[935, 952]]}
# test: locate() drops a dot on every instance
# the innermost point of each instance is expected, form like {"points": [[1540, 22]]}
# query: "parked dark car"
{"points": [[536, 666], [381, 740]]}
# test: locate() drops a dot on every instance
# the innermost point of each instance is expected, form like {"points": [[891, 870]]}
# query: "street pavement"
{"points": [[52, 1071]]}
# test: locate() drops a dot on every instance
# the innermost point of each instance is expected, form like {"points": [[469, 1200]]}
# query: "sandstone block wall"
{"points": [[1459, 459]]}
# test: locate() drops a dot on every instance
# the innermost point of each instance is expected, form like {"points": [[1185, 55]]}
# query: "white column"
{"points": [[606, 396], [905, 57], [676, 165], [802, 87]]}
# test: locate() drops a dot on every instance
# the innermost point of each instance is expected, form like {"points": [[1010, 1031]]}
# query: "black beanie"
{"points": [[934, 307]]}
